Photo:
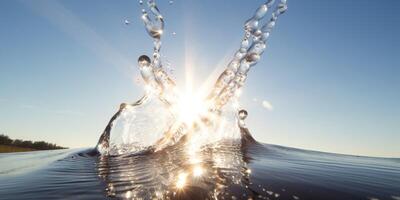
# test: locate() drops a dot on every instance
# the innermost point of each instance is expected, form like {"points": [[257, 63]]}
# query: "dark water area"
{"points": [[224, 171]]}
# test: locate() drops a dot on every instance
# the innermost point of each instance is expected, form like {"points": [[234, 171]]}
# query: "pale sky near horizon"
{"points": [[328, 81]]}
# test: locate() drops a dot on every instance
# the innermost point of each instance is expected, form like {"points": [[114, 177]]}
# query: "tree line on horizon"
{"points": [[38, 145]]}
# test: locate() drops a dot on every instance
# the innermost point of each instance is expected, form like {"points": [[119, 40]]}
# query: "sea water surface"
{"points": [[222, 171]]}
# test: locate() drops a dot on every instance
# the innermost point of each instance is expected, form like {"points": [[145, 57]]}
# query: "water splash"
{"points": [[251, 48], [161, 117], [178, 173]]}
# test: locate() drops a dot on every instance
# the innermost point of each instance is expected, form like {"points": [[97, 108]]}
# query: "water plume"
{"points": [[165, 116]]}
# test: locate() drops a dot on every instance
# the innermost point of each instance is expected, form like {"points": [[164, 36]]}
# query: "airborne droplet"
{"points": [[252, 57], [144, 61], [242, 114], [261, 11]]}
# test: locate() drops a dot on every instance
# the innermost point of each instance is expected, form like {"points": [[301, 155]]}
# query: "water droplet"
{"points": [[271, 24], [173, 33], [122, 106], [251, 24], [171, 2], [141, 2], [282, 7], [127, 22], [242, 114], [261, 11], [270, 3], [144, 61], [252, 57]]}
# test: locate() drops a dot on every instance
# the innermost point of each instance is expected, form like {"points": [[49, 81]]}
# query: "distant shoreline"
{"points": [[15, 149], [8, 145], [11, 149]]}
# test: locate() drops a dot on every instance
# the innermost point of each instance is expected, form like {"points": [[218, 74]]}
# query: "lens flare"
{"points": [[197, 171], [181, 181], [190, 107]]}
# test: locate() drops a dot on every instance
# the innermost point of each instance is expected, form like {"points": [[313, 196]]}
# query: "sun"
{"points": [[190, 107]]}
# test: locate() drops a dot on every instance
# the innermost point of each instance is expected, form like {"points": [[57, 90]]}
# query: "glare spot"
{"points": [[267, 105], [194, 160], [128, 194], [149, 89], [248, 171], [235, 104], [110, 187], [197, 171], [181, 182], [190, 107]]}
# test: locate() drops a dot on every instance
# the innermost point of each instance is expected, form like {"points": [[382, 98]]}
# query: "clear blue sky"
{"points": [[331, 69]]}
